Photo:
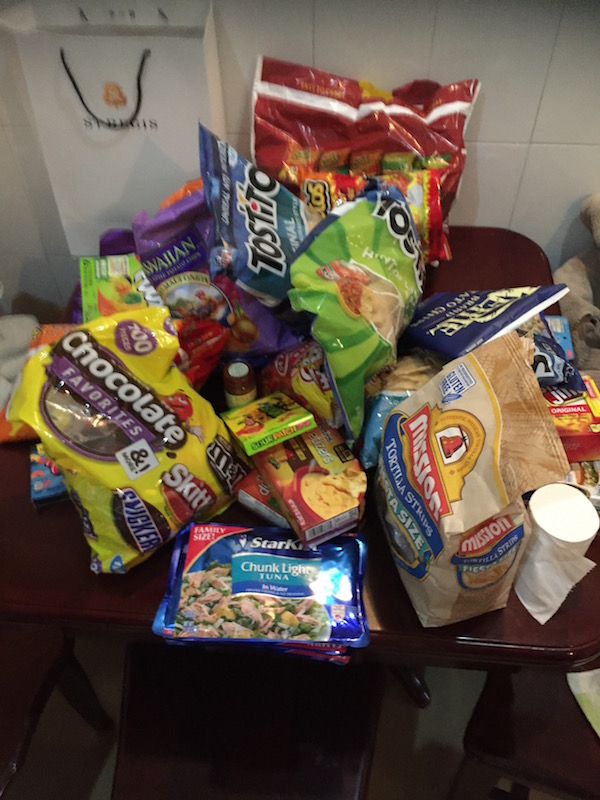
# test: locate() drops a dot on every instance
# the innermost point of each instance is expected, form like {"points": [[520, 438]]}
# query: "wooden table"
{"points": [[44, 559]]}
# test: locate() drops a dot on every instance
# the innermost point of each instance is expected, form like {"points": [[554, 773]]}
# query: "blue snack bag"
{"points": [[560, 330], [233, 583], [377, 409], [551, 365], [388, 389], [258, 223], [454, 323], [47, 481]]}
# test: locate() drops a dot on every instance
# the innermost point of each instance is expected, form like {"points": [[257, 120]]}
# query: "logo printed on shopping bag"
{"points": [[114, 97], [110, 149]]}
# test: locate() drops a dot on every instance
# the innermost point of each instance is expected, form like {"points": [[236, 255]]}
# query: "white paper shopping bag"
{"points": [[117, 97]]}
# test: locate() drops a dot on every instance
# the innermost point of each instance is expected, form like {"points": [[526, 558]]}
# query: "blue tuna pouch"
{"points": [[262, 585]]}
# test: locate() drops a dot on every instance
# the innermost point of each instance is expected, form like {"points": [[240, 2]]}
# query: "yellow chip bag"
{"points": [[141, 451]]}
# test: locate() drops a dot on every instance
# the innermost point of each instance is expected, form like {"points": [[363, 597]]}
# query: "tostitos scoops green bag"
{"points": [[360, 273]]}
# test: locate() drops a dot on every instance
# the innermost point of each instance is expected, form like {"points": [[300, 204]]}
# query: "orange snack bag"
{"points": [[188, 188]]}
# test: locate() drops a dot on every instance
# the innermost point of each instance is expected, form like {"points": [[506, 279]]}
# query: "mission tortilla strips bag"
{"points": [[360, 274], [456, 458], [142, 453]]}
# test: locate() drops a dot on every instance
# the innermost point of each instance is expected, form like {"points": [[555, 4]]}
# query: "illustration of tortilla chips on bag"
{"points": [[456, 458]]}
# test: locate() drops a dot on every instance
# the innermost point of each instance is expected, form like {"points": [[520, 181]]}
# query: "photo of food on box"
{"points": [[253, 493], [576, 416], [111, 284], [317, 482]]}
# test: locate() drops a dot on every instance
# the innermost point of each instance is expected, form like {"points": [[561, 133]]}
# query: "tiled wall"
{"points": [[533, 141]]}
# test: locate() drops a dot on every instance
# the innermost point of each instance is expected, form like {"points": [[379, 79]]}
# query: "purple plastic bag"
{"points": [[174, 250]]}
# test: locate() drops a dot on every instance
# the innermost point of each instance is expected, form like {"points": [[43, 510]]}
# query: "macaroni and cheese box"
{"points": [[317, 481], [263, 422], [253, 493], [110, 284], [46, 479], [576, 416]]}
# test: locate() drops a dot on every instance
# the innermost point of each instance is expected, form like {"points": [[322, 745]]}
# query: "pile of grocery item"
{"points": [[294, 285]]}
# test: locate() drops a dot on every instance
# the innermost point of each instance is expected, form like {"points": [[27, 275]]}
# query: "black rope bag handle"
{"points": [[108, 123]]}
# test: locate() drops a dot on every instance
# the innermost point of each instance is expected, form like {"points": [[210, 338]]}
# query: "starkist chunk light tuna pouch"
{"points": [[142, 452]]}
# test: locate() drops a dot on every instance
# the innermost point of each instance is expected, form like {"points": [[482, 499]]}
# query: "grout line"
{"points": [[535, 119], [432, 39], [537, 111]]}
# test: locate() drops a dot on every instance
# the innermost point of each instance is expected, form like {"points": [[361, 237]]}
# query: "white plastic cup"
{"points": [[566, 514], [564, 523]]}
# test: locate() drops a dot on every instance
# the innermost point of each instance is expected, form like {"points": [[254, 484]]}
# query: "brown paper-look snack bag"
{"points": [[456, 458]]}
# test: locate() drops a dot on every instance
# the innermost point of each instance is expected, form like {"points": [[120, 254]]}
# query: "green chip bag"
{"points": [[360, 273]]}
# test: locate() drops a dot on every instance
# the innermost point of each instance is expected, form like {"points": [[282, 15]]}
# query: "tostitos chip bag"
{"points": [[360, 273], [142, 452], [258, 223]]}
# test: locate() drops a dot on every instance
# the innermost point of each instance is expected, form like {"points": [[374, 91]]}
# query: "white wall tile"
{"points": [[65, 269], [18, 227], [35, 183], [29, 283], [569, 110], [489, 185], [277, 28], [27, 156], [14, 98], [4, 76], [386, 42], [507, 46], [240, 142], [556, 179]]}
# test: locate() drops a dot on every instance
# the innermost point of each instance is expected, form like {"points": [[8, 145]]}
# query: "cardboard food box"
{"points": [[110, 284], [586, 476], [577, 420], [46, 479], [317, 481], [253, 493], [266, 420]]}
